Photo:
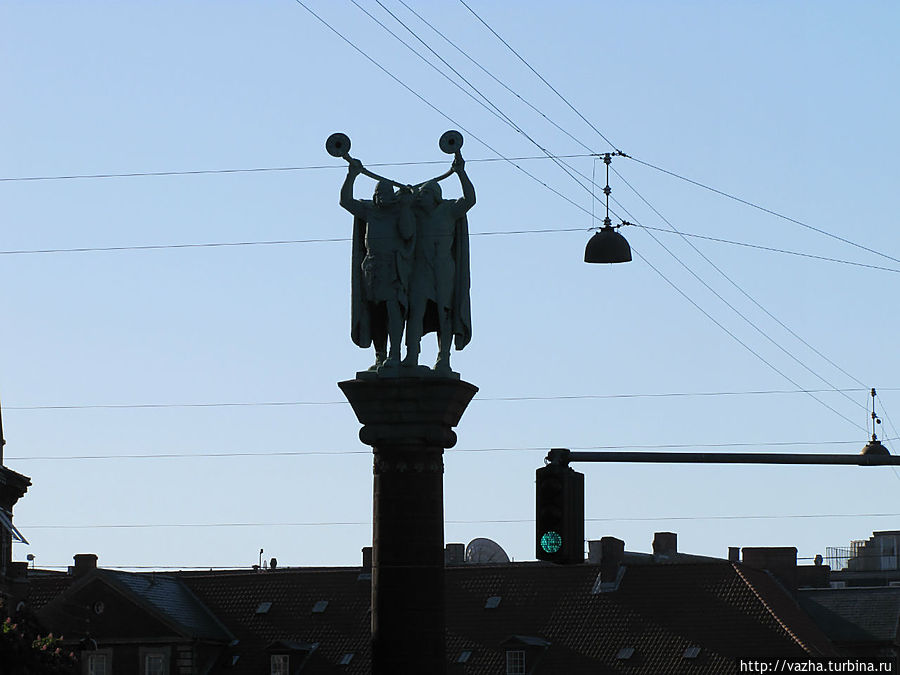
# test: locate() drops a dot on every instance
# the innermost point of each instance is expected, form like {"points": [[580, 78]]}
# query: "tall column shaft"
{"points": [[408, 422]]}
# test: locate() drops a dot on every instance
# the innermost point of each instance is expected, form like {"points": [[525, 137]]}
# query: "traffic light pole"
{"points": [[559, 494]]}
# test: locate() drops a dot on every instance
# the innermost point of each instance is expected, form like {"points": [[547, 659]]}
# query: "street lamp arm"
{"points": [[564, 456]]}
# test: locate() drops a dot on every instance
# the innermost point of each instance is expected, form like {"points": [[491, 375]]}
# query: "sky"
{"points": [[178, 406]]}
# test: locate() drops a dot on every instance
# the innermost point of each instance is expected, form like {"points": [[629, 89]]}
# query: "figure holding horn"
{"points": [[410, 263], [383, 245]]}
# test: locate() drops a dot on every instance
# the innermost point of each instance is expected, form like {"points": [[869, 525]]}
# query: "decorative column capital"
{"points": [[408, 411]]}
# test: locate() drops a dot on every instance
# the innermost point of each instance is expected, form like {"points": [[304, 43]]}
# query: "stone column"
{"points": [[408, 422]]}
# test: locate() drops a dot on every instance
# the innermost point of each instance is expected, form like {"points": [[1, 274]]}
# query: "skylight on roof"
{"points": [[264, 608], [320, 606], [492, 602], [464, 656], [625, 653], [691, 652], [346, 658]]}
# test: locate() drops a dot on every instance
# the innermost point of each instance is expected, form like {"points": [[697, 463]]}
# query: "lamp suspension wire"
{"points": [[607, 159], [875, 419]]}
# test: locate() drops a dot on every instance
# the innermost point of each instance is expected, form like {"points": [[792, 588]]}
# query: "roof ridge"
{"points": [[778, 619]]}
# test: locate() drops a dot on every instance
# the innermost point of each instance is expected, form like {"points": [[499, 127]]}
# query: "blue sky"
{"points": [[790, 106]]}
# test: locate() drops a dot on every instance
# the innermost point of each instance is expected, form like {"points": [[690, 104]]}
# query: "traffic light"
{"points": [[559, 502]]}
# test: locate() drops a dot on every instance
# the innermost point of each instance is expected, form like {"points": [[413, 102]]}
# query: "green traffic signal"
{"points": [[559, 515], [551, 542]]}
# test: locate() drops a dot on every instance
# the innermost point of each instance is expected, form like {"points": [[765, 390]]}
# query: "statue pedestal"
{"points": [[408, 422]]}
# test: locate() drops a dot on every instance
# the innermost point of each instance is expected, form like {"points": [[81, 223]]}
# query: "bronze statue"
{"points": [[410, 264], [382, 259]]}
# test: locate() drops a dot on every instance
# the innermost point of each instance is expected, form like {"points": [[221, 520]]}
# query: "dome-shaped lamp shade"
{"points": [[607, 246], [874, 447]]}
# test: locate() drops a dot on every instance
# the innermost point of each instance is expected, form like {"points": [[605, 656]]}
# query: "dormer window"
{"points": [[515, 662], [279, 664], [99, 664], [154, 660]]}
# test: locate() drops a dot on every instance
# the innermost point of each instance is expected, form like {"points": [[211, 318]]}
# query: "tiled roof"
{"points": [[344, 627], [649, 624], [659, 611], [174, 600], [163, 596], [854, 615]]}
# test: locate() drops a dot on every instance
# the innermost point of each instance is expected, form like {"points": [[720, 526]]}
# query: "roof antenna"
{"points": [[874, 447]]}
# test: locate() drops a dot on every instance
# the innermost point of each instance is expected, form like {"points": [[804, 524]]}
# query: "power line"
{"points": [[737, 339], [434, 107], [494, 77], [338, 453], [322, 240], [692, 272], [766, 248], [559, 397], [749, 297], [552, 88], [312, 167], [498, 521], [273, 242], [487, 103], [762, 208]]}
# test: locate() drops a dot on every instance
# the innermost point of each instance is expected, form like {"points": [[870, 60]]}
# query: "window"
{"points": [[279, 663], [515, 662], [154, 660], [320, 606], [154, 664], [493, 602], [464, 656], [98, 664], [346, 659], [263, 608]]}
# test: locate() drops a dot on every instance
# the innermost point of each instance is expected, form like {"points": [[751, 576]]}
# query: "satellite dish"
{"points": [[481, 551]]}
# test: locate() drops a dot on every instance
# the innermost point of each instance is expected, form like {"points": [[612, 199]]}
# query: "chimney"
{"points": [[367, 557], [734, 554], [612, 552], [780, 561], [84, 563], [665, 544], [454, 554]]}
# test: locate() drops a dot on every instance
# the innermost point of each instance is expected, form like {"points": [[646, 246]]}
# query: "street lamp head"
{"points": [[607, 246], [874, 447]]}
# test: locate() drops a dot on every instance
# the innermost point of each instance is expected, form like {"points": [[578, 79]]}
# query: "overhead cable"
{"points": [[498, 521], [739, 341], [688, 268], [746, 295], [765, 248], [541, 77], [339, 453], [434, 107], [487, 104], [496, 79], [763, 209], [554, 397], [311, 167]]}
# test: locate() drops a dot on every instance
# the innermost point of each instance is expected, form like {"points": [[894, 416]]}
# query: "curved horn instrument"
{"points": [[338, 145], [450, 142]]}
